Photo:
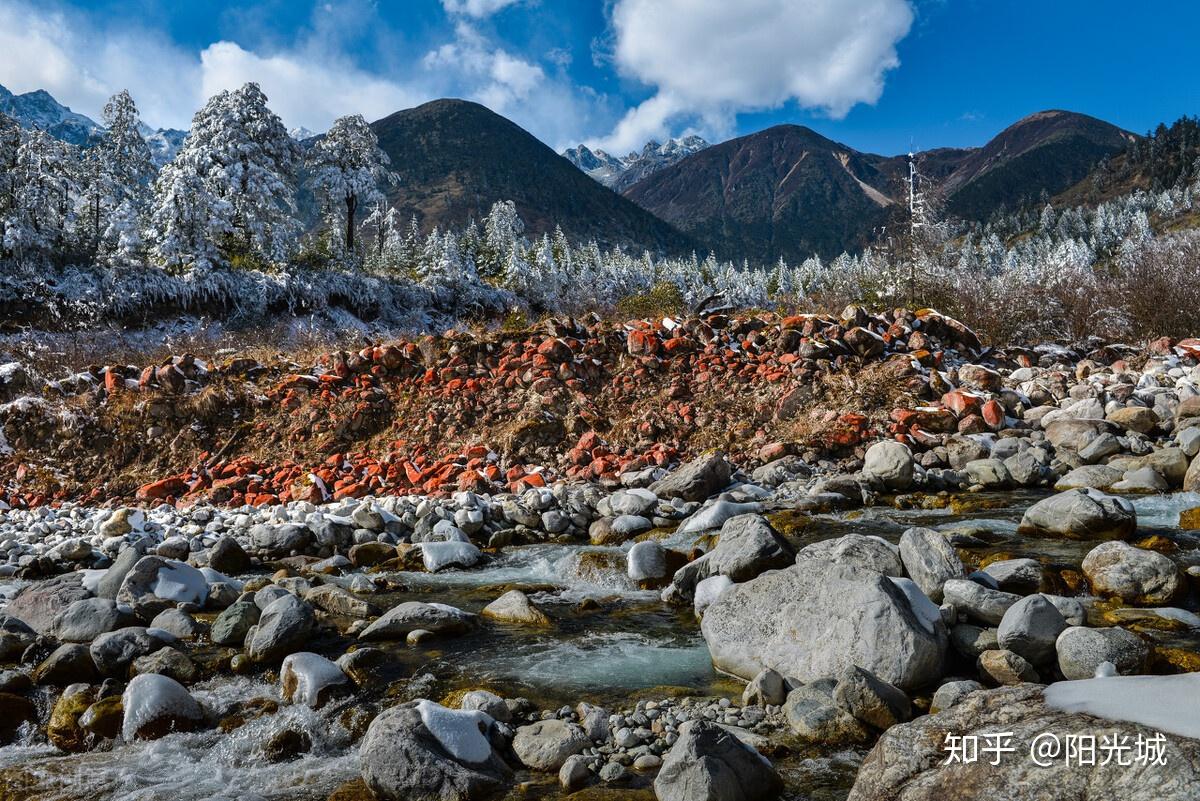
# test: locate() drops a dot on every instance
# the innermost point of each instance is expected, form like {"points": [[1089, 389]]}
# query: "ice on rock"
{"points": [[216, 577], [927, 612], [461, 733], [304, 676], [153, 702], [708, 591], [440, 555], [180, 583], [1167, 703]]}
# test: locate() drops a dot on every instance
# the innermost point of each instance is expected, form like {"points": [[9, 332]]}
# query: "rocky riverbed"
{"points": [[802, 620]]}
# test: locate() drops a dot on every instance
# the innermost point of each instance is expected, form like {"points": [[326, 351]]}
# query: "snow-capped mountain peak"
{"points": [[620, 173], [39, 109]]}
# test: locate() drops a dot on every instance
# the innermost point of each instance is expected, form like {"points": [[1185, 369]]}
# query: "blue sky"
{"points": [[879, 75]]}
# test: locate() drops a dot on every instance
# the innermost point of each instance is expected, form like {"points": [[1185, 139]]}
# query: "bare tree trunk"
{"points": [[351, 207]]}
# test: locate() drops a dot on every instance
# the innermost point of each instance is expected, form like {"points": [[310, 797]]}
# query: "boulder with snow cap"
{"points": [[422, 751]]}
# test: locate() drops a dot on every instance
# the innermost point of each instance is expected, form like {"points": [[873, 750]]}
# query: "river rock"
{"points": [[234, 622], [1005, 667], [168, 662], [1020, 576], [310, 679], [747, 546], [156, 705], [860, 550], [283, 628], [397, 622], [1135, 575], [891, 463], [815, 618], [40, 603], [546, 744], [88, 618], [514, 606], [1082, 650], [930, 560], [115, 651], [707, 762], [978, 602], [646, 561], [695, 480], [227, 556], [67, 664], [1030, 628], [420, 751], [951, 693], [815, 717], [871, 700], [909, 763], [1080, 514], [336, 601], [155, 584]]}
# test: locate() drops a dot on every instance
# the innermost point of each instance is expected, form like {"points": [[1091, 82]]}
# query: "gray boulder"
{"points": [[870, 699], [1080, 514], [40, 603], [890, 463], [546, 744], [403, 760], [1081, 650], [978, 602], [930, 560], [1020, 576], [397, 622], [115, 651], [746, 547], [695, 480], [234, 622], [283, 629], [951, 693], [909, 763], [1030, 628], [1135, 575], [88, 618], [815, 618], [816, 717], [708, 762], [860, 550]]}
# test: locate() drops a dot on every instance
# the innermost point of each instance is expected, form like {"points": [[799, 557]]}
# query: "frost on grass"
{"points": [[1168, 704]]}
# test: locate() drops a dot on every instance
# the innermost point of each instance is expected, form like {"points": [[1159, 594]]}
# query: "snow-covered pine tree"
{"points": [[231, 188], [346, 168], [41, 221]]}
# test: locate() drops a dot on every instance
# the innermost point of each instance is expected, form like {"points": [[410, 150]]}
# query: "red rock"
{"points": [[960, 402], [993, 414], [162, 489]]}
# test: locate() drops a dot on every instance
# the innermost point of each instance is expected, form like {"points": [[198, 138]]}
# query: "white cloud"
{"points": [[476, 8], [82, 60], [301, 90], [711, 59], [83, 65]]}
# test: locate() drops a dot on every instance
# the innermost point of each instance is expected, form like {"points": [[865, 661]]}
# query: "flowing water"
{"points": [[611, 644]]}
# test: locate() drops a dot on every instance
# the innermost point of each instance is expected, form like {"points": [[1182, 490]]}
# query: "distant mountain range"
{"points": [[619, 174], [455, 159], [39, 109], [786, 191]]}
